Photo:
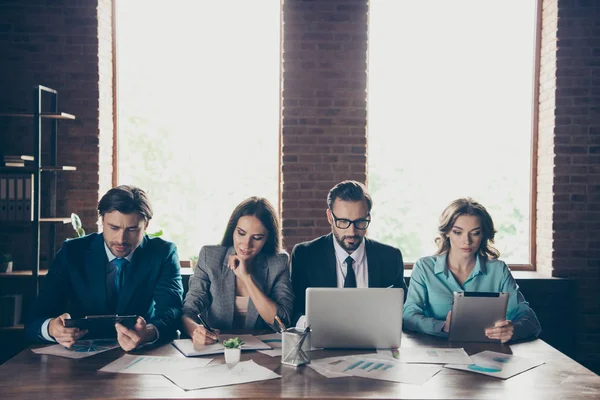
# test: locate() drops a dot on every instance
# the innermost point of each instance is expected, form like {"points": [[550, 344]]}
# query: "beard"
{"points": [[349, 247]]}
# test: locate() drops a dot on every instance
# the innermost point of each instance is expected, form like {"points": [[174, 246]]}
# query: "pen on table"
{"points": [[207, 326], [280, 324]]}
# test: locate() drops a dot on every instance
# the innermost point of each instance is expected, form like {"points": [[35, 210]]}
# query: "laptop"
{"points": [[355, 318]]}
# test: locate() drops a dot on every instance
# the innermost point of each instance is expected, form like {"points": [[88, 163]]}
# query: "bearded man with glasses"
{"points": [[345, 257]]}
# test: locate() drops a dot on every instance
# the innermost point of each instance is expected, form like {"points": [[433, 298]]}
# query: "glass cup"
{"points": [[295, 347]]}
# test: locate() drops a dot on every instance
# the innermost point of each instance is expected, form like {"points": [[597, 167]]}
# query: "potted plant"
{"points": [[7, 264], [193, 261], [77, 226], [233, 350]]}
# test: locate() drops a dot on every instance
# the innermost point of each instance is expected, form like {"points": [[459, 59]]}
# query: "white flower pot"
{"points": [[232, 356]]}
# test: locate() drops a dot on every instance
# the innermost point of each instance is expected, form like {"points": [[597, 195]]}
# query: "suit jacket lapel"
{"points": [[328, 271], [95, 266], [228, 288], [260, 274], [374, 264]]}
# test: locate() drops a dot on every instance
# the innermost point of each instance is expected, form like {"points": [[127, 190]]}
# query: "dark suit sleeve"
{"points": [[399, 281], [52, 300], [168, 297], [299, 281]]}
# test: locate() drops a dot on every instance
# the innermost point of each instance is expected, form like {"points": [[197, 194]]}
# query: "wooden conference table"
{"points": [[32, 376]]}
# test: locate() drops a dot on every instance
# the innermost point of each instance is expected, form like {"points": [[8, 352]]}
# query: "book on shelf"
{"points": [[16, 196], [19, 157], [14, 164], [10, 309], [17, 160]]}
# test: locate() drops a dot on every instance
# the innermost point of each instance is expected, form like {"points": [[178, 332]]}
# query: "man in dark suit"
{"points": [[345, 257], [120, 271]]}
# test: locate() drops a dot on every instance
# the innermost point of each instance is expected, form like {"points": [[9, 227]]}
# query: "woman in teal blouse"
{"points": [[465, 261]]}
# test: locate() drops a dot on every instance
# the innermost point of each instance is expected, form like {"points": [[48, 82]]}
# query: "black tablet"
{"points": [[101, 326]]}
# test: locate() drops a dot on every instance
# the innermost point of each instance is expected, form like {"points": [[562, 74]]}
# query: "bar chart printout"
{"points": [[384, 369]]}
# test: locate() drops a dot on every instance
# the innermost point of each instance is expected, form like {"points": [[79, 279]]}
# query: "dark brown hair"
{"points": [[126, 199], [262, 209], [349, 191]]}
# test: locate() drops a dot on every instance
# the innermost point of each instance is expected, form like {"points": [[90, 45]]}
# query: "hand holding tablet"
{"points": [[101, 326]]}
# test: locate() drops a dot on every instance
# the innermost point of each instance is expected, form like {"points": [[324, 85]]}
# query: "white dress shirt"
{"points": [[360, 264]]}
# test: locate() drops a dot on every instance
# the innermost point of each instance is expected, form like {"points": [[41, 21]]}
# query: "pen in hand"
{"points": [[208, 328], [280, 324]]}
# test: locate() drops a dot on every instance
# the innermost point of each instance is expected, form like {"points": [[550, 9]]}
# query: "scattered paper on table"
{"points": [[322, 366], [385, 369], [131, 364], [423, 355], [271, 353], [186, 347], [274, 341], [495, 364], [221, 375], [81, 348]]}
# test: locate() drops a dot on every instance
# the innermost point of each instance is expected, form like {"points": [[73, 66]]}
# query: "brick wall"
{"points": [[324, 109], [576, 172], [53, 43]]}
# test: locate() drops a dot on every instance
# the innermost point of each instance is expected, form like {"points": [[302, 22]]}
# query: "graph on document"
{"points": [[368, 366]]}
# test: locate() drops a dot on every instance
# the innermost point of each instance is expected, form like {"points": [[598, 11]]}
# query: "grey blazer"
{"points": [[212, 288]]}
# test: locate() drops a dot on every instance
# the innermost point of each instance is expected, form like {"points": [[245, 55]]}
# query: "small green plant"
{"points": [[76, 222], [6, 257], [155, 234], [193, 261], [233, 343]]}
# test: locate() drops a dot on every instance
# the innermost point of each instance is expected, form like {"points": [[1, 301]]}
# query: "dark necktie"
{"points": [[350, 280], [120, 265]]}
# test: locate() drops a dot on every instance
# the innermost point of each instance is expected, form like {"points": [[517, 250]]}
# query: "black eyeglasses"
{"points": [[360, 224]]}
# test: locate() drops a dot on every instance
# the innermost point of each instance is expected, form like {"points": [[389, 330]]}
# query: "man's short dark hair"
{"points": [[349, 191], [126, 199]]}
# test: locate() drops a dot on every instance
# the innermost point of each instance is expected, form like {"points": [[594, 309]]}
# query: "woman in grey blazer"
{"points": [[243, 283]]}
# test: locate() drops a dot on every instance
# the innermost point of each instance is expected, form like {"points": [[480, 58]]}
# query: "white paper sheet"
{"points": [[385, 369], [81, 348], [423, 355], [273, 340], [221, 375], [322, 366], [130, 364], [498, 365], [186, 347]]}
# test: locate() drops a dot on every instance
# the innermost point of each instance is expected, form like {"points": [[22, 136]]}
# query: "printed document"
{"points": [[221, 375], [386, 369], [273, 340], [186, 347], [498, 365], [422, 355], [130, 364], [81, 348]]}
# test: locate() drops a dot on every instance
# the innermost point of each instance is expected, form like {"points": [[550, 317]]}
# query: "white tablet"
{"points": [[473, 312]]}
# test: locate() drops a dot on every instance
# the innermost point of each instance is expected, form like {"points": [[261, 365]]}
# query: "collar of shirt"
{"points": [[441, 265], [360, 264], [111, 256]]}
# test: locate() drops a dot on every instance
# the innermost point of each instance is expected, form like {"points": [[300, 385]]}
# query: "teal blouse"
{"points": [[430, 295]]}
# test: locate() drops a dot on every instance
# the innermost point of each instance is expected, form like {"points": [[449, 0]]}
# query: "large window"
{"points": [[198, 110], [450, 115]]}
